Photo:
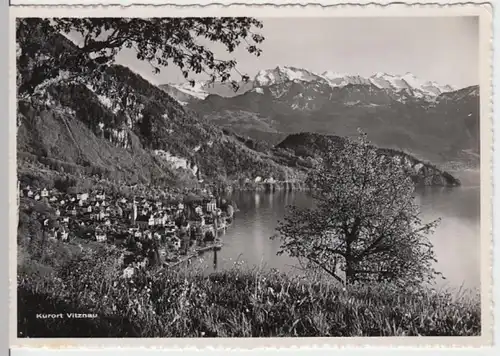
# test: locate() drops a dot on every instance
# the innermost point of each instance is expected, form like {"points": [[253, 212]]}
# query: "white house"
{"points": [[82, 196], [211, 206], [143, 264], [100, 236], [128, 272], [63, 234], [199, 210], [45, 193]]}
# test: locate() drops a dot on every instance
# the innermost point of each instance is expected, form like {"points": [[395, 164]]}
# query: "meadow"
{"points": [[83, 277]]}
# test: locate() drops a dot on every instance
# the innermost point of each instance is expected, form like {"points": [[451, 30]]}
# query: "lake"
{"points": [[456, 240]]}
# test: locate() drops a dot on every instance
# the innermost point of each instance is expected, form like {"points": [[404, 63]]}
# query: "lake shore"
{"points": [[195, 304], [233, 302]]}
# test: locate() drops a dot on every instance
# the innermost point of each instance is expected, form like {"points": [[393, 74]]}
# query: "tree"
{"points": [[365, 225], [45, 56]]}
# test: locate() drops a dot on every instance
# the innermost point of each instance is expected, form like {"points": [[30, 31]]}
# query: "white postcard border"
{"points": [[269, 11]]}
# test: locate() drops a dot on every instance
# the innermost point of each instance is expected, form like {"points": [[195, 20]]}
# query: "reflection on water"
{"points": [[456, 240]]}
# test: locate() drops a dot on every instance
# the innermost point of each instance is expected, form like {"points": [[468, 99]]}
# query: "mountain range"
{"points": [[435, 122], [284, 74], [154, 140]]}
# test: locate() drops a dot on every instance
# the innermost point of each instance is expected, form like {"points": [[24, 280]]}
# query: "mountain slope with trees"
{"points": [[88, 115], [115, 122]]}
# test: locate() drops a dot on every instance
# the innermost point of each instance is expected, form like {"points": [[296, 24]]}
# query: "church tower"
{"points": [[134, 212]]}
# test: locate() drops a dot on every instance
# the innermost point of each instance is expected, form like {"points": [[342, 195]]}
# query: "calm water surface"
{"points": [[456, 240]]}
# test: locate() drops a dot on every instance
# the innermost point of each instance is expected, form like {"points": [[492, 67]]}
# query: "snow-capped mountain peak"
{"points": [[282, 74], [389, 81], [330, 74], [412, 80], [198, 90], [381, 75], [409, 81], [382, 80], [280, 78], [341, 79]]}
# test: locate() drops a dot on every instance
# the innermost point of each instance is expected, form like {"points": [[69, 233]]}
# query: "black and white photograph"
{"points": [[249, 177]]}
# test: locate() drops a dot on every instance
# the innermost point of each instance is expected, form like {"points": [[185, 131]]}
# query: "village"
{"points": [[151, 229]]}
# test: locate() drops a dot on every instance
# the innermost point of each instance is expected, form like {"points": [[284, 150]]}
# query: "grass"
{"points": [[240, 302]]}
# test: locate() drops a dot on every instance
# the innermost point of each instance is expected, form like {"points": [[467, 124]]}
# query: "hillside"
{"points": [[77, 128], [151, 138], [310, 146]]}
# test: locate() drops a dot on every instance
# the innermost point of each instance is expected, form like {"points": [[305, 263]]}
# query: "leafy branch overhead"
{"points": [[158, 41]]}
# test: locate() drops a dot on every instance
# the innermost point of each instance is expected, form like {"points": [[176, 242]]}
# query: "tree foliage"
{"points": [[365, 225], [44, 55]]}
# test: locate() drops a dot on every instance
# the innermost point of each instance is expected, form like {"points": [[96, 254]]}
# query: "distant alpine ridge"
{"points": [[408, 82], [433, 121]]}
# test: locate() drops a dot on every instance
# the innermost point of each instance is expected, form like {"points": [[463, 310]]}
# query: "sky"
{"points": [[441, 49]]}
